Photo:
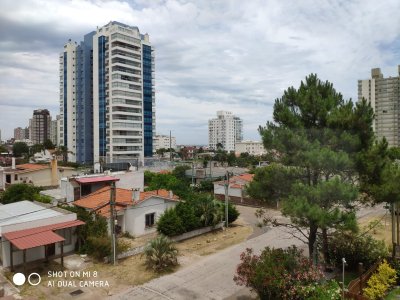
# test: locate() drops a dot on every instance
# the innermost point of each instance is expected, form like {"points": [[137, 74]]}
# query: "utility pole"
{"points": [[226, 197], [192, 173], [112, 224]]}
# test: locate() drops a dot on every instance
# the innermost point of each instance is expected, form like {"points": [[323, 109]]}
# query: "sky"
{"points": [[210, 55]]}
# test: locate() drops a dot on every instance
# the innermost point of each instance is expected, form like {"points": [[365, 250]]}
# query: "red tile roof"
{"points": [[237, 182], [96, 179], [32, 167], [38, 236], [123, 197]]}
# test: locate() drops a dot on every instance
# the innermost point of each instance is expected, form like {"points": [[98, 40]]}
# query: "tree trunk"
{"points": [[312, 237], [325, 246]]}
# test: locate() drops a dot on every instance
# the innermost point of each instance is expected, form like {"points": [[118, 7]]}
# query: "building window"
{"points": [[150, 219]]}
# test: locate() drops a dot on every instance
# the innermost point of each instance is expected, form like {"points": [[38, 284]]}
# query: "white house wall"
{"points": [[232, 192], [135, 216]]}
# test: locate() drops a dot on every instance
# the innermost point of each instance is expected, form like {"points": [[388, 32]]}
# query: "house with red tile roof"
{"points": [[236, 190], [137, 212], [45, 175]]}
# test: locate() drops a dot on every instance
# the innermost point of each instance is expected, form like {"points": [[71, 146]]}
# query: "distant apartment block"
{"points": [[384, 96], [54, 133], [107, 97], [251, 147], [19, 133], [40, 126], [163, 141], [226, 129]]}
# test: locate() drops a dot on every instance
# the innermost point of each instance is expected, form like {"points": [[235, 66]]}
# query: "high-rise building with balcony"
{"points": [[107, 100], [226, 129], [384, 96]]}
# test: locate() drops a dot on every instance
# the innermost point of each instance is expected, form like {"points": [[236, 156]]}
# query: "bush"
{"points": [[170, 224], [161, 254], [233, 213], [186, 213], [20, 191], [355, 249], [380, 281], [278, 273], [98, 247]]}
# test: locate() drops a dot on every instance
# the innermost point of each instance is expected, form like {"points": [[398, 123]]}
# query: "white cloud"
{"points": [[210, 55]]}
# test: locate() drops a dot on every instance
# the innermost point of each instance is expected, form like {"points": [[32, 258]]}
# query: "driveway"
{"points": [[210, 277]]}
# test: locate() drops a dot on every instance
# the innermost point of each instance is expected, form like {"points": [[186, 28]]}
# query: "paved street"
{"points": [[210, 277]]}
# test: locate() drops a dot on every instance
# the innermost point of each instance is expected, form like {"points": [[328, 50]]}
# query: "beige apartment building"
{"points": [[384, 96]]}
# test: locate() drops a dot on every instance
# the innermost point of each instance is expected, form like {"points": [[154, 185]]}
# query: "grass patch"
{"points": [[394, 294]]}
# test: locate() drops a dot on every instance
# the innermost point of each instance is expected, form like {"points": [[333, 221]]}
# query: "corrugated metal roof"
{"points": [[38, 236], [26, 232], [95, 179], [36, 240], [24, 211]]}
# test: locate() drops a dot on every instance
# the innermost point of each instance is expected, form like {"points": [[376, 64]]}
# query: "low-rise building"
{"points": [[44, 175], [33, 231], [236, 190], [250, 147], [137, 212], [163, 142]]}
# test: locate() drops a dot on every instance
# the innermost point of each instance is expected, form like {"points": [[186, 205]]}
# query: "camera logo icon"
{"points": [[33, 279]]}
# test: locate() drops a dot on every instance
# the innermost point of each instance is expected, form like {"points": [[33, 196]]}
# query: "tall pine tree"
{"points": [[322, 136]]}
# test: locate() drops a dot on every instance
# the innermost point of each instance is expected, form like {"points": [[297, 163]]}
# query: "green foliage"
{"points": [[356, 249], [42, 198], [205, 186], [70, 164], [170, 223], [161, 254], [19, 192], [209, 210], [36, 149], [20, 149], [179, 172], [319, 136], [148, 176], [380, 281], [326, 291], [187, 214], [48, 144], [233, 213], [3, 149], [158, 181], [99, 247], [95, 226], [278, 274]]}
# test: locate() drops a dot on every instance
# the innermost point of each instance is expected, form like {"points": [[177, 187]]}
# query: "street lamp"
{"points": [[343, 263]]}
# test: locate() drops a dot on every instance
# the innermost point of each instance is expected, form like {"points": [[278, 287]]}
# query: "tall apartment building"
{"points": [[40, 126], [54, 130], [163, 141], [384, 96], [107, 99], [226, 129]]}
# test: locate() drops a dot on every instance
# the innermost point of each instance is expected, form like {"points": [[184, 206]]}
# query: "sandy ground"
{"points": [[130, 271]]}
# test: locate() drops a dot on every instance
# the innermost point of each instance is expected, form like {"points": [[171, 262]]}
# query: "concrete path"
{"points": [[209, 278]]}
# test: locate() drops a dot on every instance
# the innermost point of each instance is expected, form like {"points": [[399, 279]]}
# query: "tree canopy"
{"points": [[319, 138], [20, 149]]}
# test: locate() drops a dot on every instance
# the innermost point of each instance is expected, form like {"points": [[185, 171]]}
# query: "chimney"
{"points": [[135, 194], [171, 194], [54, 173], [13, 163]]}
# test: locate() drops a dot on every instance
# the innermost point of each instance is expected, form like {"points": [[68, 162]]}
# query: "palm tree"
{"points": [[210, 211], [63, 150], [161, 253]]}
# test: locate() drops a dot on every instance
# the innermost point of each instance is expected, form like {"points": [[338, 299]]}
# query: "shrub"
{"points": [[20, 191], [277, 273], [161, 254], [355, 249], [170, 224], [98, 247], [186, 213], [233, 213], [327, 291], [380, 281]]}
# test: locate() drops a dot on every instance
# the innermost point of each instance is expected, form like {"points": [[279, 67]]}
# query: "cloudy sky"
{"points": [[210, 55]]}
